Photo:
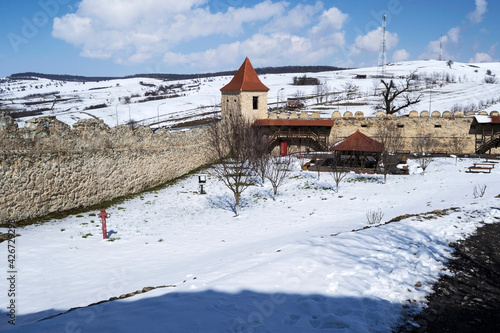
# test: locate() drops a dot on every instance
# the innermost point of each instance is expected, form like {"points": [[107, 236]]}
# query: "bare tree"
{"points": [[423, 145], [391, 137], [232, 145], [457, 143], [350, 89], [337, 172], [278, 172], [261, 153], [392, 92], [321, 91]]}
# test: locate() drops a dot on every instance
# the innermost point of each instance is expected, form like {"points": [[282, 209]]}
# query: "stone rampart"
{"points": [[449, 131], [48, 166]]}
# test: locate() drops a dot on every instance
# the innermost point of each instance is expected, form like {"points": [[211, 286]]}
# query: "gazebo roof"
{"points": [[358, 142], [245, 79]]}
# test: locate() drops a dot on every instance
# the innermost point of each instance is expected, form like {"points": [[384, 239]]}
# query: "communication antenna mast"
{"points": [[441, 48], [382, 56]]}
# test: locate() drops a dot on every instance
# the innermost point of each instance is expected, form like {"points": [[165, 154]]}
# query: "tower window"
{"points": [[255, 102]]}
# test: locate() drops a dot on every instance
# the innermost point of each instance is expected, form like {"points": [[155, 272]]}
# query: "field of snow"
{"points": [[307, 262], [460, 87]]}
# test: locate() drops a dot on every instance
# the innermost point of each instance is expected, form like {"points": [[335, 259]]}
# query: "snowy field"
{"points": [[443, 88], [307, 262]]}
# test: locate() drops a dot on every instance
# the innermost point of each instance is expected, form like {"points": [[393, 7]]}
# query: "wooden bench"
{"points": [[479, 169], [492, 160], [488, 165]]}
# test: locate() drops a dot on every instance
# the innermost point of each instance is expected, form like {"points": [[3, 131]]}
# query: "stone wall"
{"points": [[450, 131], [444, 131], [48, 166]]}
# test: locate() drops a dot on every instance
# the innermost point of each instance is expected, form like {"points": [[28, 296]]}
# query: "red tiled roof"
{"points": [[358, 142], [245, 79], [294, 122]]}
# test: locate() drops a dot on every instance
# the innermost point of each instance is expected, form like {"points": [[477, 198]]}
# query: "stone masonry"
{"points": [[47, 166]]}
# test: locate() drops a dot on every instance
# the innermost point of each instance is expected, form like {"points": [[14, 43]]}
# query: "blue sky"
{"points": [[124, 37]]}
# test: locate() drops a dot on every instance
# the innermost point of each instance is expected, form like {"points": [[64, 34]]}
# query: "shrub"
{"points": [[479, 191], [374, 217]]}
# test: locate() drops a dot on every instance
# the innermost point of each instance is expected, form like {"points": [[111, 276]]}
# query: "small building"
{"points": [[358, 151], [245, 95], [487, 133]]}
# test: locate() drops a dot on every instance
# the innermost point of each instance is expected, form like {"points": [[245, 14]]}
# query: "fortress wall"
{"points": [[48, 166], [444, 131]]}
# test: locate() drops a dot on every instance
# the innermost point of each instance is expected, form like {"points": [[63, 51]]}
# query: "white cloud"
{"points": [[330, 20], [73, 29], [434, 47], [481, 57], [454, 34], [294, 20], [477, 15], [400, 55], [132, 31], [371, 42], [285, 48]]}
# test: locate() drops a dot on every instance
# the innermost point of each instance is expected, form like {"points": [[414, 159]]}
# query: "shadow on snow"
{"points": [[213, 311]]}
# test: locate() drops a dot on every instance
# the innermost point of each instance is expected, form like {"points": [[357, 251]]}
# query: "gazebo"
{"points": [[358, 151]]}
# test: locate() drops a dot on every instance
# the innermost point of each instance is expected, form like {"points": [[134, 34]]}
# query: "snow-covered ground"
{"points": [[461, 86], [307, 262]]}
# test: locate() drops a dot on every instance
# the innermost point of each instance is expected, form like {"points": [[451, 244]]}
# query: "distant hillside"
{"points": [[171, 77]]}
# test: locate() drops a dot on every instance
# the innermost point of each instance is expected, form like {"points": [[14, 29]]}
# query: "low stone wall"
{"points": [[47, 166]]}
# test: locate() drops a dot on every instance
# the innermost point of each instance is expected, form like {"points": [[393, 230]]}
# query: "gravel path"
{"points": [[469, 300]]}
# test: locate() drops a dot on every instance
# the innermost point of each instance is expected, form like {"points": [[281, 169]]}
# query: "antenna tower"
{"points": [[441, 48], [382, 56]]}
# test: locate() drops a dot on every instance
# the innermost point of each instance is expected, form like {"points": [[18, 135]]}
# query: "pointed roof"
{"points": [[358, 142], [245, 79]]}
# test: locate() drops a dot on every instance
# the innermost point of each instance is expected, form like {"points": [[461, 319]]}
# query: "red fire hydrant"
{"points": [[103, 215]]}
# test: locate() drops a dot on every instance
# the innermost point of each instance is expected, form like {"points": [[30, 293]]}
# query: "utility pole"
{"points": [[441, 48], [382, 57]]}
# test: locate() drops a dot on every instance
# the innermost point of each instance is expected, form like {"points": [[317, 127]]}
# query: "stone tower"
{"points": [[245, 95]]}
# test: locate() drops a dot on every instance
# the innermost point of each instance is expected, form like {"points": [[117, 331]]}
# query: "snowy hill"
{"points": [[309, 261], [150, 101]]}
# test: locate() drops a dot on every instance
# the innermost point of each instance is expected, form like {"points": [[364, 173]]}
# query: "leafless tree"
{"points": [[391, 137], [350, 89], [261, 153], [231, 142], [321, 91], [393, 92], [337, 172], [423, 145], [457, 143], [278, 172]]}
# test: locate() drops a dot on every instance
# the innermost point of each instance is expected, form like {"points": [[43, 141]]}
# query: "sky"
{"points": [[126, 37]]}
